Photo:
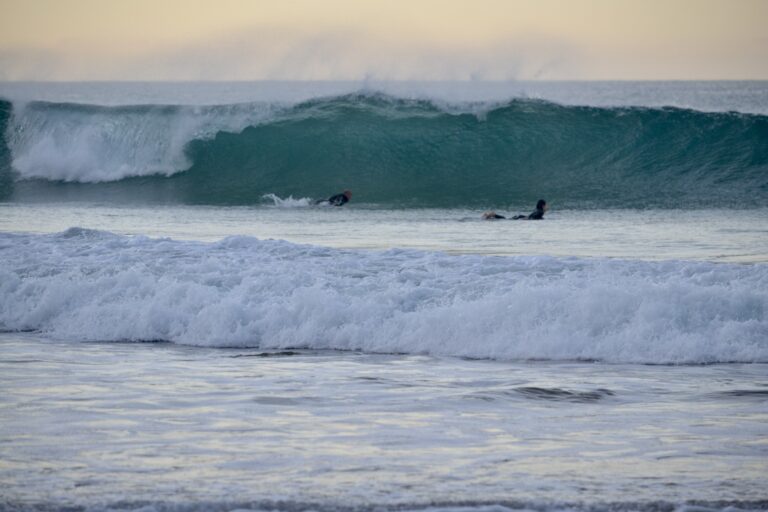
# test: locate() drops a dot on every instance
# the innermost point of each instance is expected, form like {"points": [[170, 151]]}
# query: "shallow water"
{"points": [[711, 235], [125, 425]]}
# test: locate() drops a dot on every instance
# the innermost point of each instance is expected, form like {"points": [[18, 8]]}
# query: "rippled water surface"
{"points": [[712, 235], [93, 424]]}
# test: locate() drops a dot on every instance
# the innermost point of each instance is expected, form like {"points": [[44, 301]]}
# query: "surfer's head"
{"points": [[542, 205], [347, 193]]}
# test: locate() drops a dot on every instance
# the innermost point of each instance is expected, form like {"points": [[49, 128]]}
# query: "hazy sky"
{"points": [[393, 39]]}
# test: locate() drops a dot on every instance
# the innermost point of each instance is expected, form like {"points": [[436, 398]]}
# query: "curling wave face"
{"points": [[391, 151], [91, 285]]}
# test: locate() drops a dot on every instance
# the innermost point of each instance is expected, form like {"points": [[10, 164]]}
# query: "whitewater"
{"points": [[183, 328], [95, 286]]}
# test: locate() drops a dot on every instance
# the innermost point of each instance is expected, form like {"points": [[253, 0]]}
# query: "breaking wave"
{"points": [[392, 151], [243, 292]]}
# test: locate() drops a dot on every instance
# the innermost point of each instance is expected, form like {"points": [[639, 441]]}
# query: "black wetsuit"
{"points": [[337, 200], [537, 214]]}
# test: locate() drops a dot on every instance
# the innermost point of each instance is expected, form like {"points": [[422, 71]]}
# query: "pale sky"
{"points": [[385, 40]]}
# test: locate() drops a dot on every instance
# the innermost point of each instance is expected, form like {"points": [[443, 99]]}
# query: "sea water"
{"points": [[172, 427], [183, 328]]}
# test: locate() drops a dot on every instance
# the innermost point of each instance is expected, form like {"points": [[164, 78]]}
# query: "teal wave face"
{"points": [[6, 174], [412, 154], [407, 153]]}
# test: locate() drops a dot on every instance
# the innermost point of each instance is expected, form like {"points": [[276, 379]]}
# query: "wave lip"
{"points": [[243, 292]]}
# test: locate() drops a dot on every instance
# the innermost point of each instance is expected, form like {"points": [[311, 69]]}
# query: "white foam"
{"points": [[88, 144], [287, 202], [89, 285]]}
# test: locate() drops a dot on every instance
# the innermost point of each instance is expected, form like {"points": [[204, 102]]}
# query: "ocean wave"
{"points": [[243, 292], [395, 151]]}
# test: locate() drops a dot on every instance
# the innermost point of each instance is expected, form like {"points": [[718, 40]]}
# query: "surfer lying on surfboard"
{"points": [[338, 199], [537, 214]]}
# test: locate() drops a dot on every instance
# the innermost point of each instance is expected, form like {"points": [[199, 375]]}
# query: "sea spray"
{"points": [[287, 202], [91, 144]]}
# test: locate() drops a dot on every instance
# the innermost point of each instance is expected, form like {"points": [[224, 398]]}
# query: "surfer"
{"points": [[537, 214], [338, 199]]}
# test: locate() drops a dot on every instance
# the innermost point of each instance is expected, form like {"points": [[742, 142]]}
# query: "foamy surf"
{"points": [[243, 292], [287, 202], [93, 144]]}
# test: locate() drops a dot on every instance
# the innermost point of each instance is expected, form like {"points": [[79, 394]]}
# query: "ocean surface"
{"points": [[183, 328]]}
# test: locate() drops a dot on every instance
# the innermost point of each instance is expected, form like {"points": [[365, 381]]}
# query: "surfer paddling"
{"points": [[338, 199], [537, 214]]}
